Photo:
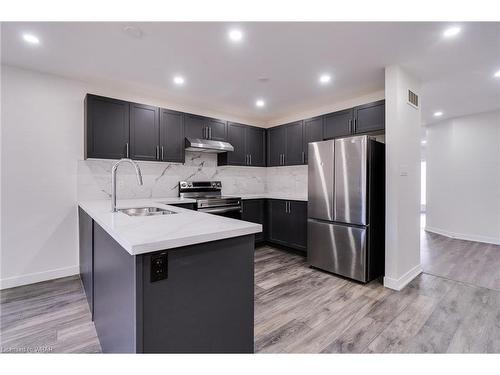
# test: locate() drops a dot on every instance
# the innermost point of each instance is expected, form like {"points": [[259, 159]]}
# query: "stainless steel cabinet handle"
{"points": [[303, 157], [350, 126], [205, 132], [161, 152], [250, 158], [355, 123], [127, 151], [157, 152], [209, 133]]}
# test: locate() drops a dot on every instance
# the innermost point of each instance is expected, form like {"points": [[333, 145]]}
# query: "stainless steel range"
{"points": [[209, 198]]}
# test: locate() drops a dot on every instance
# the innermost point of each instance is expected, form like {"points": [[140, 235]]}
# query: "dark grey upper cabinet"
{"points": [[217, 129], [337, 124], [106, 127], [195, 126], [205, 128], [171, 136], [313, 132], [369, 117], [276, 146], [248, 142], [255, 140], [236, 136], [294, 134], [144, 132]]}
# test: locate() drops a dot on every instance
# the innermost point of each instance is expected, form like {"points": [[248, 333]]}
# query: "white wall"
{"points": [[402, 138], [42, 129], [463, 177]]}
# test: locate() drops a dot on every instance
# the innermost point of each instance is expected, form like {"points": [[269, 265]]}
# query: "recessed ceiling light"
{"points": [[235, 35], [497, 74], [260, 103], [30, 38], [424, 142], [438, 114], [179, 80], [324, 79], [451, 31]]}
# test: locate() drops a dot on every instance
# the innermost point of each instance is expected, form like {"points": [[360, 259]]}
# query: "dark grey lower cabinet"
{"points": [[254, 211], [205, 304], [86, 241], [287, 223]]}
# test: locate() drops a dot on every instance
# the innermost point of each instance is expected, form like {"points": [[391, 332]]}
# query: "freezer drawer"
{"points": [[337, 248]]}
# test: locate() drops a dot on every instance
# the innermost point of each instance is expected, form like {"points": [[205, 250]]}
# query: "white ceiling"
{"points": [[457, 74]]}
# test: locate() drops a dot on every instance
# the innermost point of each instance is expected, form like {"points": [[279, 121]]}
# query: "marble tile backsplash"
{"points": [[161, 179]]}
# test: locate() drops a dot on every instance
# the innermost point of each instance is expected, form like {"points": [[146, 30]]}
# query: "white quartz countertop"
{"points": [[143, 234], [289, 197]]}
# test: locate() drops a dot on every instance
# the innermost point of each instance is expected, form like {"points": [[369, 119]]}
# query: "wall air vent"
{"points": [[412, 99]]}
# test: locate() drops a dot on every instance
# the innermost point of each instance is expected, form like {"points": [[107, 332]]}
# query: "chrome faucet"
{"points": [[113, 179]]}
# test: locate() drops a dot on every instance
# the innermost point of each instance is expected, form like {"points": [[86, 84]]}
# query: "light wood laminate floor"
{"points": [[297, 310], [471, 262], [47, 317], [302, 310]]}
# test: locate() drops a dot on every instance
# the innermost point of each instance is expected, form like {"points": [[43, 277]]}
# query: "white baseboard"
{"points": [[461, 236], [398, 284], [11, 282]]}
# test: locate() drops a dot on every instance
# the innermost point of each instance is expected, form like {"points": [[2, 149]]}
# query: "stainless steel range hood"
{"points": [[207, 145]]}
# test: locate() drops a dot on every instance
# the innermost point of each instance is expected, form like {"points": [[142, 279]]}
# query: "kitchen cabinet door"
{"points": [[171, 136], [217, 129], [276, 146], [254, 212], [106, 127], [298, 219], [144, 132], [279, 229], [337, 124], [255, 140], [313, 132], [294, 134], [86, 240], [235, 136], [369, 117], [195, 126]]}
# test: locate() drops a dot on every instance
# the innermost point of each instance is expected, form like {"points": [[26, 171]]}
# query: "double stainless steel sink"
{"points": [[146, 211]]}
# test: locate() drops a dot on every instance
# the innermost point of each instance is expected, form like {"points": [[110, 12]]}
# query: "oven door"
{"points": [[233, 212]]}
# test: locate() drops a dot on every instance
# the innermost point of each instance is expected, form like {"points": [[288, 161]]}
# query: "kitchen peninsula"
{"points": [[176, 282]]}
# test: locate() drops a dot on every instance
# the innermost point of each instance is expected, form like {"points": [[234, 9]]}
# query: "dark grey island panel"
{"points": [[117, 290], [206, 303], [201, 303]]}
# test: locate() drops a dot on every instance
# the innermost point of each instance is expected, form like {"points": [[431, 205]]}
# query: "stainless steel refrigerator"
{"points": [[346, 207]]}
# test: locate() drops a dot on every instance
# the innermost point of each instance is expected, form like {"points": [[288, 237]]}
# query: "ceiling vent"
{"points": [[412, 99]]}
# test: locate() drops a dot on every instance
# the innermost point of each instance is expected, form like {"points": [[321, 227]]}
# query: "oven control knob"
{"points": [[214, 184], [190, 184], [219, 184], [183, 184]]}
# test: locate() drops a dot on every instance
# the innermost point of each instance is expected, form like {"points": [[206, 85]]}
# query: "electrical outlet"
{"points": [[159, 267]]}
